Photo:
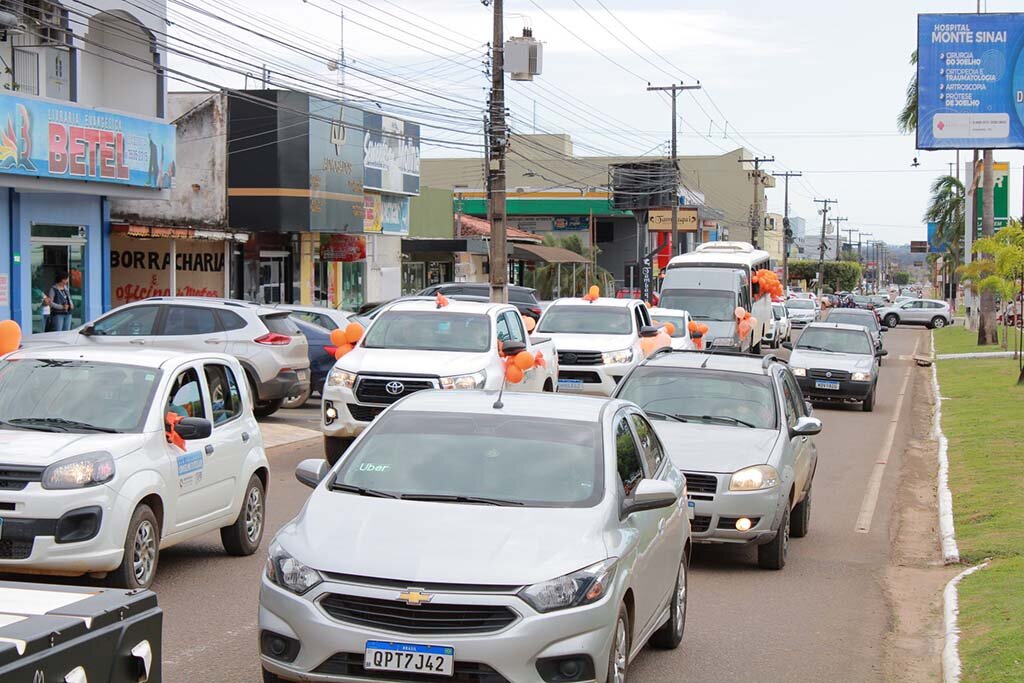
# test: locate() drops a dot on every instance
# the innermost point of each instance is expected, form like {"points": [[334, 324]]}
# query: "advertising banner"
{"points": [[391, 155], [661, 219], [571, 222], [335, 167], [372, 208], [394, 215], [341, 247], [140, 269], [1000, 194], [935, 243], [970, 80]]}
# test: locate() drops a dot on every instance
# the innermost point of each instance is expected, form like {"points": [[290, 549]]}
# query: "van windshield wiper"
{"points": [[373, 493], [60, 422], [446, 498], [667, 416]]}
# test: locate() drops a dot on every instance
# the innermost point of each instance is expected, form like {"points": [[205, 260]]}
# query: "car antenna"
{"points": [[498, 405], [710, 352]]}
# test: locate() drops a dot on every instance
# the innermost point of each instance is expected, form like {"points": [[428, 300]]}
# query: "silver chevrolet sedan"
{"points": [[536, 538]]}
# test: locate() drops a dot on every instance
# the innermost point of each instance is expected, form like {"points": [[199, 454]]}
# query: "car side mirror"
{"points": [[511, 348], [787, 345], [650, 494], [87, 331], [649, 331], [882, 352], [191, 428], [311, 472], [806, 426]]}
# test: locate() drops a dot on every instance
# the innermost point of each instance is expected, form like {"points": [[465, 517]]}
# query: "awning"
{"points": [[183, 233], [539, 252]]}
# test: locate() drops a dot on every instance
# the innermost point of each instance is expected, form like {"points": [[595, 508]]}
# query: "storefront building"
{"points": [[428, 256]]}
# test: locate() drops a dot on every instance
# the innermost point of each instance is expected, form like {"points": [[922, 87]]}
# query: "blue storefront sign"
{"points": [[970, 78], [394, 215], [48, 139], [391, 158]]}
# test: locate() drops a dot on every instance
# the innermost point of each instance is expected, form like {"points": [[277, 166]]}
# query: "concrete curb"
{"points": [[962, 356], [951, 632], [947, 531]]}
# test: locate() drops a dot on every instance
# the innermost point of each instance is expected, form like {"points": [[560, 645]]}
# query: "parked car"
{"points": [[92, 479], [879, 300], [855, 316], [737, 427], [928, 312], [265, 341], [780, 328], [802, 311], [837, 362], [321, 360], [542, 538], [414, 345], [680, 322], [598, 342], [523, 298], [327, 318]]}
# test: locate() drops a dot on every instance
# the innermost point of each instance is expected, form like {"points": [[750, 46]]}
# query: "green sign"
{"points": [[1001, 196]]}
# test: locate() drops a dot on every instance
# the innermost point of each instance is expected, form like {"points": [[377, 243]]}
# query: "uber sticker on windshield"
{"points": [[373, 467], [190, 468]]}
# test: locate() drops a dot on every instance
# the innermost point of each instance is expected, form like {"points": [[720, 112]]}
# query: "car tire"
{"points": [[891, 320], [670, 634], [938, 322], [773, 555], [335, 447], [548, 386], [868, 404], [800, 522], [271, 678], [298, 400], [243, 537], [618, 653], [141, 551]]}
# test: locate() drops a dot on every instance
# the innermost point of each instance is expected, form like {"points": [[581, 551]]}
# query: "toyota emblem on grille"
{"points": [[394, 388], [569, 358], [827, 374]]}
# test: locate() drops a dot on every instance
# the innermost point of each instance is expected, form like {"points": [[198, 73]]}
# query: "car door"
{"points": [[230, 437], [912, 312], [798, 450], [134, 325], [191, 328]]}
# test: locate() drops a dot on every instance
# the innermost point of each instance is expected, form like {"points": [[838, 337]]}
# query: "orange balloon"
{"points": [[594, 291], [524, 360], [513, 373], [342, 350], [670, 328], [692, 326], [746, 315], [529, 323], [338, 337], [539, 361], [648, 345], [704, 329], [353, 333], [739, 312], [753, 321], [10, 336], [744, 329]]}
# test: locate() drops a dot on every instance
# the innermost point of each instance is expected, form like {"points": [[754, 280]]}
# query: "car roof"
{"points": [[518, 404], [311, 309], [480, 284], [454, 305], [603, 301], [837, 326], [259, 309], [657, 310], [149, 357], [747, 363], [863, 312]]}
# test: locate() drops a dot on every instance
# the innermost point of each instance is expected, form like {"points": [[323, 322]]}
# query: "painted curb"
{"points": [[960, 356], [947, 530], [951, 632]]}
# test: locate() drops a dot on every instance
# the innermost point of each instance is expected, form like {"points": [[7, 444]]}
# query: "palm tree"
{"points": [[906, 122], [946, 210], [547, 278]]}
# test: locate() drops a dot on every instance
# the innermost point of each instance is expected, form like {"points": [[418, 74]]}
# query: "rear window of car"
{"points": [[850, 318], [522, 296], [281, 324]]}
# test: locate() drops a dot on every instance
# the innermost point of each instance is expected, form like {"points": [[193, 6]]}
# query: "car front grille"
{"points": [[838, 375], [700, 523], [427, 619], [17, 477], [350, 664], [387, 390], [16, 550], [579, 358], [701, 483], [583, 376], [364, 413]]}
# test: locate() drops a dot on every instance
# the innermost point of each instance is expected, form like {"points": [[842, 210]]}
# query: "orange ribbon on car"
{"points": [[172, 419]]}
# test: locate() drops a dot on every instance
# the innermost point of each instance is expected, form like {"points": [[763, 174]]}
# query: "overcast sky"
{"points": [[815, 84]]}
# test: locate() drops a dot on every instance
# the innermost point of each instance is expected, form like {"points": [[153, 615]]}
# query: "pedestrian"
{"points": [[61, 305], [44, 313]]}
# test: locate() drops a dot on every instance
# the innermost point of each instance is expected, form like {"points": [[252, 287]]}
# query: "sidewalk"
{"points": [[286, 427]]}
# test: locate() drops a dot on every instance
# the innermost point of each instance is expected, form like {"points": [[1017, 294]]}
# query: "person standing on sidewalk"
{"points": [[61, 305]]}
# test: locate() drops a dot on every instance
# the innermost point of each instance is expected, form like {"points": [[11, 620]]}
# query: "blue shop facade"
{"points": [[60, 164]]}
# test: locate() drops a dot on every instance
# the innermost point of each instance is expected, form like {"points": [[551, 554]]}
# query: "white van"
{"points": [[711, 282]]}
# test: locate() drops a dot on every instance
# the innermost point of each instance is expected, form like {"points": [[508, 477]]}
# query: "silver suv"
{"points": [[738, 428], [268, 344]]}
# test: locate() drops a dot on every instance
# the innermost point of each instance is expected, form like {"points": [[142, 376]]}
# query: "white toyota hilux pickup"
{"points": [[418, 344]]}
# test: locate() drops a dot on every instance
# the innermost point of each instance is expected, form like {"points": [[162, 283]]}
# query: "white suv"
{"points": [[270, 347]]}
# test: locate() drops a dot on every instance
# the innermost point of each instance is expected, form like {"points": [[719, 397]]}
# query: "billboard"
{"points": [[970, 80], [335, 167], [394, 215], [1000, 195], [391, 155], [48, 139], [936, 245]]}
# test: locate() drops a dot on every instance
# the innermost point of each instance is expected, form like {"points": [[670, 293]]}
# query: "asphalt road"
{"points": [[822, 618]]}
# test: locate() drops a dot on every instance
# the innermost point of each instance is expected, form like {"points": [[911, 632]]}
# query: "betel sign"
{"points": [[47, 139], [970, 77]]}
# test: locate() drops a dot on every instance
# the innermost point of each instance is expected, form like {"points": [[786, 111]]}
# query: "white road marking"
{"points": [[867, 508]]}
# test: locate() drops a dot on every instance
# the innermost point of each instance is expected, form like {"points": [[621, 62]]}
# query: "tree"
{"points": [[901, 278], [845, 273], [906, 122], [946, 210]]}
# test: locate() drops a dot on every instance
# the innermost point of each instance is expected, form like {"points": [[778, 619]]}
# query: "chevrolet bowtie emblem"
{"points": [[414, 597]]}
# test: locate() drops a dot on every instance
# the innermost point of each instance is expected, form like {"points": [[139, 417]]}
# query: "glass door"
{"points": [[272, 272], [352, 275], [48, 260]]}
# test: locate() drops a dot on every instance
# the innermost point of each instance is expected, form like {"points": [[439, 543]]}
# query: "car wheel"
{"points": [[670, 634], [267, 408], [868, 404], [800, 523], [141, 551], [773, 555], [271, 678], [298, 400], [335, 447], [243, 537], [618, 656], [938, 322], [891, 320], [548, 386]]}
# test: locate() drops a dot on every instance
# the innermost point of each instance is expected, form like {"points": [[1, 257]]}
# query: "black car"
{"points": [[858, 316], [321, 360], [523, 298]]}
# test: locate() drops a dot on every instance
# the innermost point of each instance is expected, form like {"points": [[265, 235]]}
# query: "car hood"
{"points": [[25, 447], [565, 341], [412, 362], [52, 338], [849, 362], [715, 448], [802, 313], [429, 542]]}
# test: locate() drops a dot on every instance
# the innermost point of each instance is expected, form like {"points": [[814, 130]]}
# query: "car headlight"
{"points": [[799, 372], [341, 378], [613, 357], [754, 478], [472, 381], [582, 587], [861, 377], [79, 471], [288, 573]]}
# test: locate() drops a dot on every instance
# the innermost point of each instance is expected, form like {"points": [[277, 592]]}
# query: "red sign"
{"points": [[343, 247], [87, 152]]}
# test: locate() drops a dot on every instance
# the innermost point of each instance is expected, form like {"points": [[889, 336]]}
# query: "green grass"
{"points": [[958, 339], [983, 418]]}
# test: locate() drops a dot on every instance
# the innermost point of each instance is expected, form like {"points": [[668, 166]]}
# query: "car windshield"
{"points": [[677, 322], [835, 341], [800, 303], [74, 395], [430, 331], [478, 458], [701, 304], [587, 319], [850, 318], [711, 396]]}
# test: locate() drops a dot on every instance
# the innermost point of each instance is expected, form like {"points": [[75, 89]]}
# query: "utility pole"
{"points": [[497, 135], [839, 235], [860, 253], [787, 233], [674, 89], [756, 175], [821, 245]]}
